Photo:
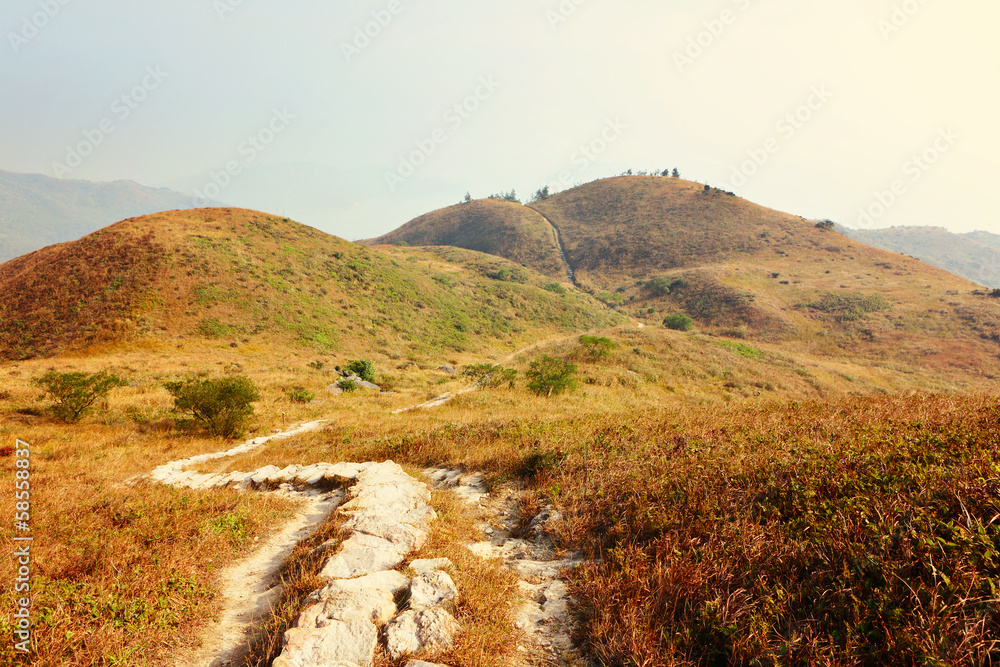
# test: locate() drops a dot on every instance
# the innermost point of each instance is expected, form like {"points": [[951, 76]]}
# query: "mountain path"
{"points": [[557, 235]]}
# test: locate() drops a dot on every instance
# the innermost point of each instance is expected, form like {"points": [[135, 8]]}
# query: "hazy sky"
{"points": [[823, 108]]}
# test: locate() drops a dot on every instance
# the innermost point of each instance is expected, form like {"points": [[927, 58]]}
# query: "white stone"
{"points": [[432, 588], [422, 565], [373, 605], [362, 554], [428, 629], [389, 581], [336, 643]]}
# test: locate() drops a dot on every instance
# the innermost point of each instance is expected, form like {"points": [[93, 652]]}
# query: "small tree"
{"points": [[363, 368], [76, 393], [597, 348], [676, 173], [488, 376], [468, 198], [541, 194], [678, 322], [826, 225], [549, 376], [221, 405], [658, 286]]}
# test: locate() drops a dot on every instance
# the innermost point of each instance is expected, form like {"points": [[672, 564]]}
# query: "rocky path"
{"points": [[386, 517], [545, 615]]}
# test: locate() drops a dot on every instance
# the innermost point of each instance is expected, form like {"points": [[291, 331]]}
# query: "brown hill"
{"points": [[501, 228], [237, 275]]}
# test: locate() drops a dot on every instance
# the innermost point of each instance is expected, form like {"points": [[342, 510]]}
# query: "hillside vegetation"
{"points": [[238, 276], [502, 228]]}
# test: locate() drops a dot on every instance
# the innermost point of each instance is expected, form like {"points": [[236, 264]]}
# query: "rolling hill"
{"points": [[237, 276], [36, 210], [651, 246], [502, 228], [974, 255]]}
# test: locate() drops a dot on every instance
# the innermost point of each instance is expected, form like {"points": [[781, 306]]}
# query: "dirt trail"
{"points": [[570, 274], [251, 587]]}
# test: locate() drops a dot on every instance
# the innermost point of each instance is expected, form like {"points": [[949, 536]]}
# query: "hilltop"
{"points": [[238, 276], [974, 255], [502, 228], [36, 210], [652, 246]]}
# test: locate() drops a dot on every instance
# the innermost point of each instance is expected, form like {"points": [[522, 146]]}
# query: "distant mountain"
{"points": [[37, 211], [975, 255]]}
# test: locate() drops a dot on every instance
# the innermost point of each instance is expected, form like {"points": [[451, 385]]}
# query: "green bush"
{"points": [[76, 393], [488, 376], [549, 376], [597, 348], [348, 385], [363, 368], [678, 322], [316, 365], [300, 395], [555, 288], [509, 275], [221, 405]]}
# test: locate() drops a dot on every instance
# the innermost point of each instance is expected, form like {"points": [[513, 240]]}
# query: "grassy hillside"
{"points": [[974, 256], [502, 228], [36, 210], [238, 276]]}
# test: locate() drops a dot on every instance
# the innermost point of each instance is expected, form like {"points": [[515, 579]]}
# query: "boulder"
{"points": [[350, 642], [448, 368], [389, 581], [377, 606], [431, 629], [362, 554], [431, 589]]}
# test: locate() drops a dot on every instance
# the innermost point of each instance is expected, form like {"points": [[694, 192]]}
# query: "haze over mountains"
{"points": [[36, 210], [973, 255]]}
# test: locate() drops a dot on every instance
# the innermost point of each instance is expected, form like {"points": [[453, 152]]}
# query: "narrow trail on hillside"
{"points": [[559, 243]]}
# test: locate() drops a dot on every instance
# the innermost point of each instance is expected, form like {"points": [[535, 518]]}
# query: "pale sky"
{"points": [[816, 107]]}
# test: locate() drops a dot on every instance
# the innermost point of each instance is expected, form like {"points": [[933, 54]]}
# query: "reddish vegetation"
{"points": [[81, 293]]}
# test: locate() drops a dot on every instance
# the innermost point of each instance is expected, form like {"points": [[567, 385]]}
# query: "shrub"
{"points": [[300, 395], [363, 368], [850, 307], [509, 275], [488, 376], [610, 299], [825, 225], [221, 405], [678, 322], [597, 348], [555, 288], [658, 286], [348, 385], [316, 365], [76, 393], [549, 376], [211, 327]]}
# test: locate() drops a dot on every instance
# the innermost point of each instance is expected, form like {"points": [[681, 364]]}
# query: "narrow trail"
{"points": [[559, 242]]}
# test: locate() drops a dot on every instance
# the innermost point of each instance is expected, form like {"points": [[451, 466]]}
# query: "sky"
{"points": [[356, 117]]}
